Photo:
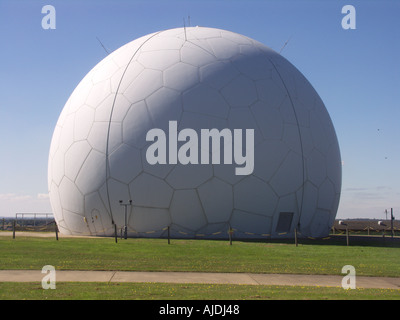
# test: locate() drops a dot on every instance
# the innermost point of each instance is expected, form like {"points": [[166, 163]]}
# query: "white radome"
{"points": [[202, 78]]}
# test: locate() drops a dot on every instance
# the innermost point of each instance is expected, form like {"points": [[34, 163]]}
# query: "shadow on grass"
{"points": [[332, 240], [337, 240]]}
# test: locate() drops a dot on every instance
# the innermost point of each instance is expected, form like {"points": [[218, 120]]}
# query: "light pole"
{"points": [[126, 212], [391, 221]]}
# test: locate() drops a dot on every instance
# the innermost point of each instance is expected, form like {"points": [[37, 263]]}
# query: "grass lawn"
{"points": [[376, 258], [197, 255], [164, 291]]}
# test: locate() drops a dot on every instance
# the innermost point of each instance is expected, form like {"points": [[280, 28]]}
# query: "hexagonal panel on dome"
{"points": [[67, 133], [89, 180], [240, 92], [55, 200], [223, 48], [122, 79], [98, 136], [216, 198], [253, 64], [159, 59], [186, 210], [147, 82], [318, 134], [163, 106], [73, 222], [113, 108], [104, 109], [326, 195], [205, 100], [114, 139], [189, 176], [202, 33], [197, 122], [98, 93], [269, 120], [125, 163], [71, 198], [218, 74], [196, 54], [83, 122], [316, 165], [181, 76], [247, 224], [271, 92], [136, 124], [165, 41], [320, 224], [286, 109], [289, 177], [254, 195], [149, 220], [243, 118], [274, 159], [149, 191], [309, 197], [57, 168], [75, 157], [332, 158]]}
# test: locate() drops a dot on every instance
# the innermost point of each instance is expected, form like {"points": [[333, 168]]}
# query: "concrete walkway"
{"points": [[199, 277]]}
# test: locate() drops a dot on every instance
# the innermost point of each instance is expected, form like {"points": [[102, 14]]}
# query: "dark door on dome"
{"points": [[284, 222]]}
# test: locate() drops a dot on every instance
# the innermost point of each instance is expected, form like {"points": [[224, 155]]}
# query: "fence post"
{"points": [[56, 230], [230, 235], [168, 236], [115, 233], [13, 227], [295, 236]]}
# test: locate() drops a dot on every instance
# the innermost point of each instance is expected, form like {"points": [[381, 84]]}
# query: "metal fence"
{"points": [[28, 222], [41, 222]]}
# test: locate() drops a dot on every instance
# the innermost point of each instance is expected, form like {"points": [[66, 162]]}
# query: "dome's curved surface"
{"points": [[132, 130]]}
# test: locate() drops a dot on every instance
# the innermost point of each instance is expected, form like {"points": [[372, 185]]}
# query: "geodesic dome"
{"points": [[105, 148]]}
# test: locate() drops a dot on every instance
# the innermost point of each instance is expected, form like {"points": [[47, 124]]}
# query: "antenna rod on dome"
{"points": [[184, 27], [102, 45], [285, 44]]}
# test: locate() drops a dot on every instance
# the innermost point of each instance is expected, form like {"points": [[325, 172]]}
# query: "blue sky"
{"points": [[356, 73]]}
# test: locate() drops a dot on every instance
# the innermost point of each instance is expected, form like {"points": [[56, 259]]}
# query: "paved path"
{"points": [[199, 277]]}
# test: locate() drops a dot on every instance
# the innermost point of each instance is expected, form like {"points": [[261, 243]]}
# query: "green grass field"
{"points": [[197, 255], [167, 291], [375, 258]]}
